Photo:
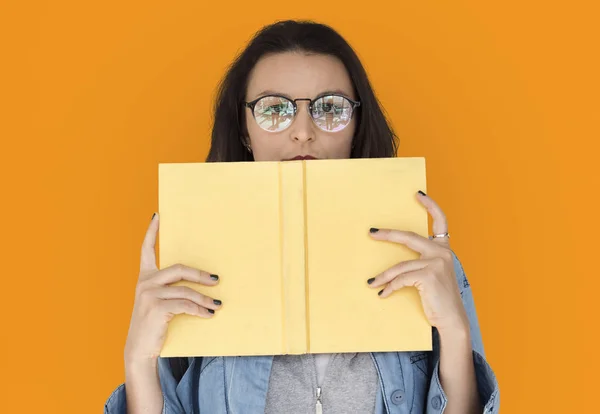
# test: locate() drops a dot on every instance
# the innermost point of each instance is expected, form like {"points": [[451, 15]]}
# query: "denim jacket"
{"points": [[408, 381]]}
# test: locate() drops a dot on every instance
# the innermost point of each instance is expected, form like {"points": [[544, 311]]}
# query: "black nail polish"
{"points": [[373, 230], [371, 280], [153, 215], [214, 277], [217, 301], [211, 311], [422, 193], [380, 292]]}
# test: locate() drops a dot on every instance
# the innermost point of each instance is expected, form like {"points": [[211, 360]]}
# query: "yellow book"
{"points": [[290, 243]]}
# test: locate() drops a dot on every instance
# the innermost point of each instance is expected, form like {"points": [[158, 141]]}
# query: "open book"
{"points": [[290, 243]]}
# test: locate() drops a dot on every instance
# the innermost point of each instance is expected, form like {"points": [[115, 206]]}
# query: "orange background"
{"points": [[501, 98]]}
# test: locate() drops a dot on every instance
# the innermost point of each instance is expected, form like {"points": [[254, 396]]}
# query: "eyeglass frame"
{"points": [[252, 104]]}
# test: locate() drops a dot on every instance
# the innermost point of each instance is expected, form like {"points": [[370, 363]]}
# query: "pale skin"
{"points": [[298, 75]]}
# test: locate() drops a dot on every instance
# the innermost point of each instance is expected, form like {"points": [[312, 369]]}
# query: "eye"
{"points": [[274, 105], [331, 104]]}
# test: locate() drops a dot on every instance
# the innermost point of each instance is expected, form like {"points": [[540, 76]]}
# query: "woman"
{"points": [[297, 68]]}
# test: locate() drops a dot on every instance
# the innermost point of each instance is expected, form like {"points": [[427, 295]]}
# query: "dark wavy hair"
{"points": [[374, 136]]}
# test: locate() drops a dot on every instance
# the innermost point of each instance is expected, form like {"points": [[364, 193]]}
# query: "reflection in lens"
{"points": [[274, 113], [332, 113]]}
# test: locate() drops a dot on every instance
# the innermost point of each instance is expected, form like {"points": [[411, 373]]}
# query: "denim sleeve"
{"points": [[487, 385], [117, 404]]}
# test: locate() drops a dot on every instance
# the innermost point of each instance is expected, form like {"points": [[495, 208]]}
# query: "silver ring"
{"points": [[435, 236]]}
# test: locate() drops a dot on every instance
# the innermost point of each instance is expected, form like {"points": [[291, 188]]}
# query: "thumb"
{"points": [[148, 258]]}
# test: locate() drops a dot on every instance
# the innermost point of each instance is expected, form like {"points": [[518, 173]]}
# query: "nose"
{"points": [[303, 128]]}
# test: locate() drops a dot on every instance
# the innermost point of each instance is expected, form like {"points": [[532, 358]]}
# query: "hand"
{"points": [[156, 303], [432, 274]]}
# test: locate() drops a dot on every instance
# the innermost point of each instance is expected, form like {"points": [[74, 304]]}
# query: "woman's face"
{"points": [[298, 75]]}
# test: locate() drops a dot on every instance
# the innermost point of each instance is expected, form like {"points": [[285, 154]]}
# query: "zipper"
{"points": [[318, 405]]}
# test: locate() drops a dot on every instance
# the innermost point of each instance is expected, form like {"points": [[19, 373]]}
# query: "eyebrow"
{"points": [[274, 92]]}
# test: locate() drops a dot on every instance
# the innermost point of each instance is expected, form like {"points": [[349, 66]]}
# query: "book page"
{"points": [[225, 218], [344, 199]]}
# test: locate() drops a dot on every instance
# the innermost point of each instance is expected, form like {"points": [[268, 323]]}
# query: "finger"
{"points": [[415, 278], [148, 259], [178, 272], [412, 240], [440, 224], [392, 272], [173, 307], [184, 292]]}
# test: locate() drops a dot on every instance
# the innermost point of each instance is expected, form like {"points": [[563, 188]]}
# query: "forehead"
{"points": [[298, 75]]}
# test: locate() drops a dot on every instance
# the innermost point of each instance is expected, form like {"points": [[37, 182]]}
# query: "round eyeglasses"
{"points": [[330, 112]]}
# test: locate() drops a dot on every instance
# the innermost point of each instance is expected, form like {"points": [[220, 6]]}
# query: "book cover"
{"points": [[290, 242]]}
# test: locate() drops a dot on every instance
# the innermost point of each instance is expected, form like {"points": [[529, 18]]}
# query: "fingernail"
{"points": [[371, 280], [211, 311], [373, 230], [214, 277], [422, 193], [217, 301], [380, 292], [153, 215]]}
